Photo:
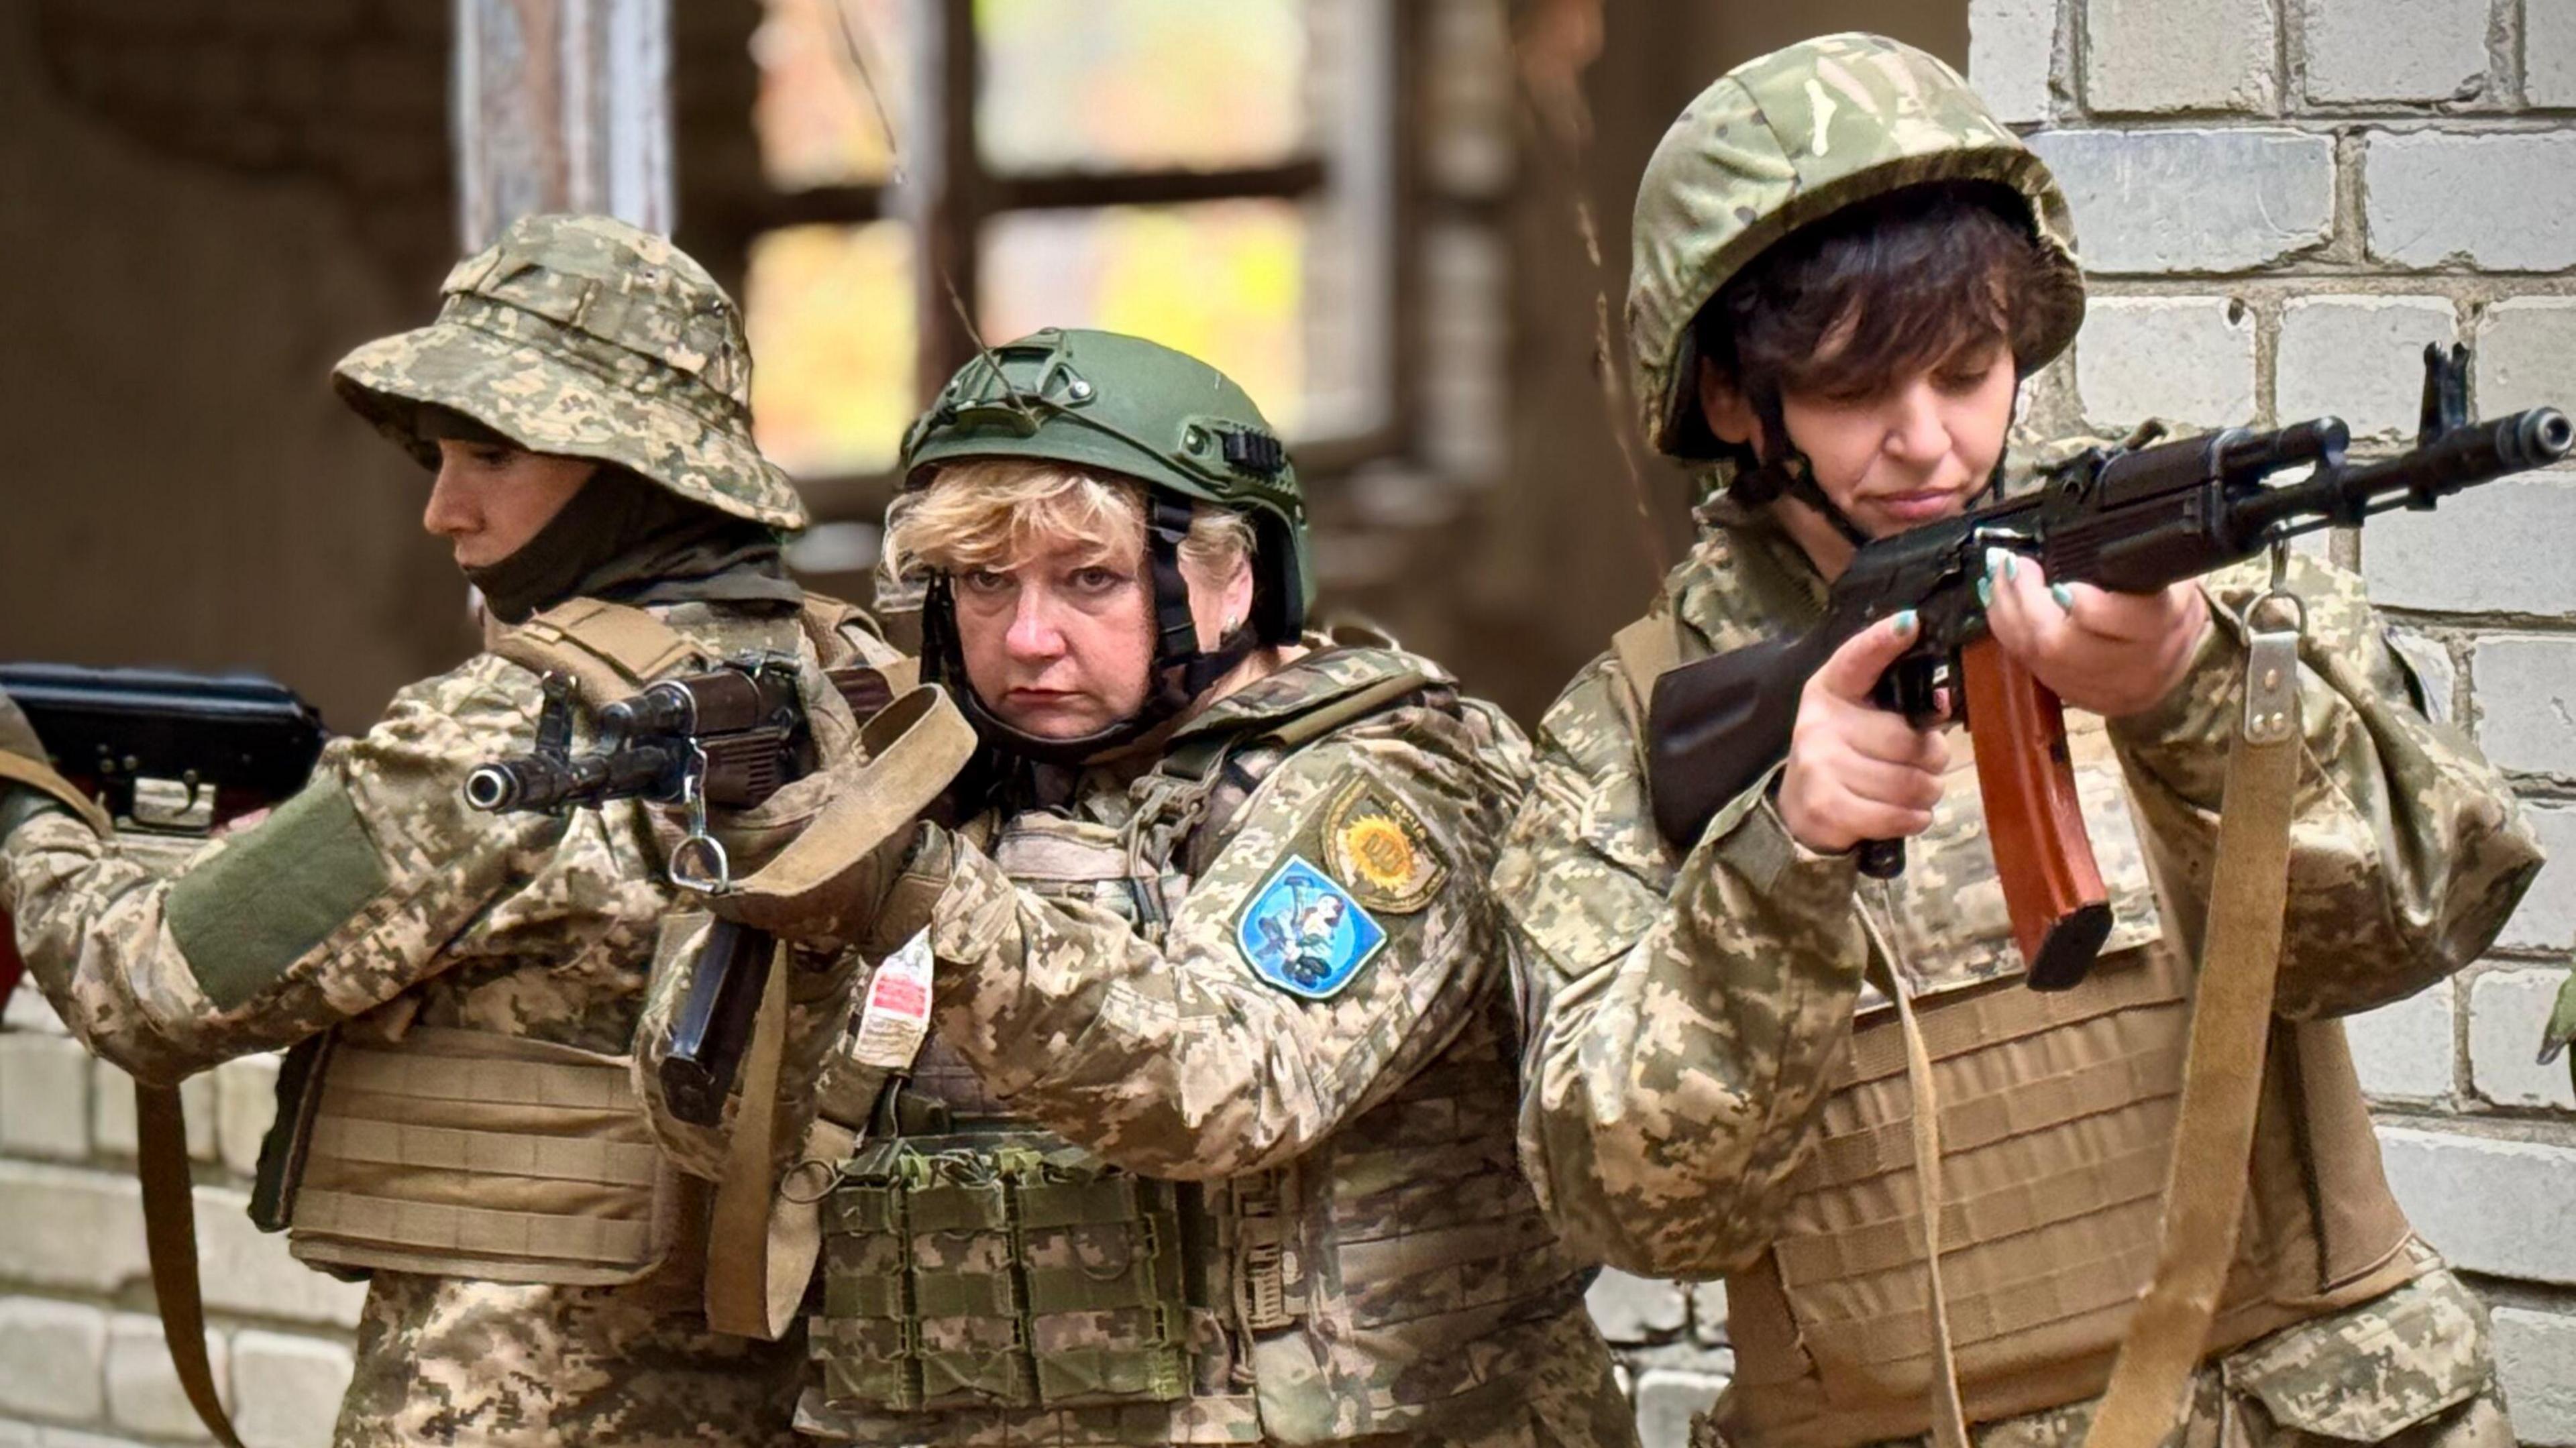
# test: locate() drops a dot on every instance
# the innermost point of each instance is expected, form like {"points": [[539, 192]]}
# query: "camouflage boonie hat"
{"points": [[1790, 137], [586, 337]]}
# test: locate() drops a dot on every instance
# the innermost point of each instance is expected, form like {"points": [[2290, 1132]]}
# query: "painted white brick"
{"points": [[2527, 351], [2549, 52], [2431, 662], [2499, 1207], [2011, 44], [2526, 693], [2496, 548], [2506, 1011], [44, 1097], [289, 1388], [28, 1010], [2497, 202], [2178, 358], [75, 1438], [247, 1089], [1630, 1309], [69, 1228], [143, 1392], [112, 1112], [2360, 359], [2396, 50], [52, 1359], [2536, 1357], [248, 1270], [1708, 1312], [14, 1434], [2407, 1050], [1667, 1400], [2180, 55], [2144, 202], [2546, 919]]}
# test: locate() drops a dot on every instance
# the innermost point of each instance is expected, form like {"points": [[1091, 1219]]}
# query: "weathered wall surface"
{"points": [[206, 205]]}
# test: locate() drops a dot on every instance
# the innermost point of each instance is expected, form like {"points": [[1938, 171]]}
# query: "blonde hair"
{"points": [[996, 512]]}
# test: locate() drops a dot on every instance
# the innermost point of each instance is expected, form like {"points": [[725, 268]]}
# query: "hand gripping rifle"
{"points": [[235, 744], [2134, 521], [730, 737]]}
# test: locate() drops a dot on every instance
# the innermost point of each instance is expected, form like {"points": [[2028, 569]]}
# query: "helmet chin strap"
{"points": [[1783, 471], [1179, 673]]}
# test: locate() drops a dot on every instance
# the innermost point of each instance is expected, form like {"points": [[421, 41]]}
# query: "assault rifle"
{"points": [[235, 744], [729, 738], [2132, 521]]}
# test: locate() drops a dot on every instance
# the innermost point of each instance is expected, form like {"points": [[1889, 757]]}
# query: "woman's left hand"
{"points": [[2111, 653]]}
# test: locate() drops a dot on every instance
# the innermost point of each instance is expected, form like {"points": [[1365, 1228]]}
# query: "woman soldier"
{"points": [[1844, 267], [462, 988], [1212, 1139]]}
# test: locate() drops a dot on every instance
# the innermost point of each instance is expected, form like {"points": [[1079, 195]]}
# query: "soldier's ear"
{"points": [[1723, 407]]}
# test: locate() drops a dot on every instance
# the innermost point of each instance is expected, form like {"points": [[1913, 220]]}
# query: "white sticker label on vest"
{"points": [[897, 1014]]}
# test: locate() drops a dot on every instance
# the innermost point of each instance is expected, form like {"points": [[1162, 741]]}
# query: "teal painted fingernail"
{"points": [[2064, 595], [1994, 561], [1986, 591], [1905, 624], [2012, 565]]}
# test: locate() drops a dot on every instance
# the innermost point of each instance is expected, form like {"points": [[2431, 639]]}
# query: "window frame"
{"points": [[950, 194]]}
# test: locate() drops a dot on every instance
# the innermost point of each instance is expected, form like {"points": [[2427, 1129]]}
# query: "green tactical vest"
{"points": [[985, 1279]]}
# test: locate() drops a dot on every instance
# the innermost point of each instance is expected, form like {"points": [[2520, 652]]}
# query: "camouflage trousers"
{"points": [[447, 1361], [2412, 1368]]}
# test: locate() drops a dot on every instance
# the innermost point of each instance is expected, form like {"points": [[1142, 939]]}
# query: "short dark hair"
{"points": [[1913, 276]]}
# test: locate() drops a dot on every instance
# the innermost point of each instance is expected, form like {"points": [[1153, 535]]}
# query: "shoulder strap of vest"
{"points": [[835, 629], [1643, 651], [1224, 768], [610, 650]]}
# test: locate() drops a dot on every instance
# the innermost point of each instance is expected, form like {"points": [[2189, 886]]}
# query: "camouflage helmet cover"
{"points": [[586, 337], [1790, 137], [1119, 404]]}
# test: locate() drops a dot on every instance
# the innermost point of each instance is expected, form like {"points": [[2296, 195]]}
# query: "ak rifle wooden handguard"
{"points": [[2034, 820]]}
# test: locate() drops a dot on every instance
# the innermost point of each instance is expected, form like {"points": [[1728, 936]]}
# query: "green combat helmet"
{"points": [[1124, 405], [586, 337], [1789, 138]]}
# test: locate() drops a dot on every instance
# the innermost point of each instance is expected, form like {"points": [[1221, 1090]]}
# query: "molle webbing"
{"points": [[2056, 1112], [1002, 1270], [610, 650], [468, 1153]]}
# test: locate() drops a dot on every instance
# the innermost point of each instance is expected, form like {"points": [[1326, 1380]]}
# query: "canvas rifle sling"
{"points": [[2223, 1071], [170, 1242]]}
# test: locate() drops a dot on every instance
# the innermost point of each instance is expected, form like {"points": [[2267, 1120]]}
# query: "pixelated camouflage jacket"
{"points": [[1683, 1016], [375, 900], [1159, 1045]]}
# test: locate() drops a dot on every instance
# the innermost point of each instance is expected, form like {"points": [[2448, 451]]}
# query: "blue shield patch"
{"points": [[1305, 934]]}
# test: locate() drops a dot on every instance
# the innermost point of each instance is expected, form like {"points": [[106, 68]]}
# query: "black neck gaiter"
{"points": [[626, 539]]}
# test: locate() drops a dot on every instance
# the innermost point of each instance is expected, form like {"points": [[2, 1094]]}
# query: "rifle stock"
{"points": [[236, 743]]}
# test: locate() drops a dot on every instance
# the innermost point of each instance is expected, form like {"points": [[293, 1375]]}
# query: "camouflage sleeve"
{"points": [[2407, 852], [340, 899], [1680, 1024], [1291, 992]]}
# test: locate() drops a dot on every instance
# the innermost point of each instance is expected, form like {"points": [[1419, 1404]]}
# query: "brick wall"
{"points": [[82, 1363], [2281, 205]]}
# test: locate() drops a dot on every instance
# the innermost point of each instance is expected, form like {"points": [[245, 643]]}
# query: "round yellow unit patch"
{"points": [[1379, 850]]}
